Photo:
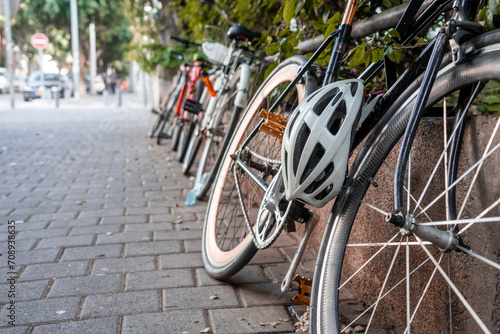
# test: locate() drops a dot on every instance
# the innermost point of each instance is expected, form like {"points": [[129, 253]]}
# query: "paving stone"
{"points": [[192, 245], [128, 264], [39, 311], [23, 290], [21, 245], [160, 279], [230, 321], [121, 304], [98, 229], [105, 325], [153, 247], [121, 237], [81, 240], [178, 235], [74, 222], [249, 274], [270, 255], [62, 269], [181, 260], [190, 225], [91, 252], [28, 226], [38, 234], [124, 220], [186, 321], [264, 294], [169, 218], [44, 217], [86, 285], [199, 297], [149, 227], [101, 213], [148, 211], [36, 256], [15, 330]]}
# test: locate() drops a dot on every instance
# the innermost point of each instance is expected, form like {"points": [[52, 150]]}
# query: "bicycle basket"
{"points": [[214, 48]]}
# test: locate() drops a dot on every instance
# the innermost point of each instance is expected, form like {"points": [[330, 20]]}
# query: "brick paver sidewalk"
{"points": [[104, 242]]}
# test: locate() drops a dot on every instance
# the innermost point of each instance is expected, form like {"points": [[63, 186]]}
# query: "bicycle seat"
{"points": [[239, 31]]}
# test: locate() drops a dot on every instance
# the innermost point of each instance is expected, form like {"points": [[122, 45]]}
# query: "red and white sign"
{"points": [[39, 41]]}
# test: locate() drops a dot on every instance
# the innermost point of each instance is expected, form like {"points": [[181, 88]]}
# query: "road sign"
{"points": [[39, 41]]}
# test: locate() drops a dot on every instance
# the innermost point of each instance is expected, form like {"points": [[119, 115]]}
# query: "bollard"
{"points": [[119, 97], [105, 95], [55, 91]]}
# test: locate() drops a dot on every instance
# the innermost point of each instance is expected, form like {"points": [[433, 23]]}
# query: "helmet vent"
{"points": [[286, 166], [324, 100], [320, 179], [354, 88], [324, 193], [302, 136], [336, 99], [316, 156], [292, 122], [337, 118]]}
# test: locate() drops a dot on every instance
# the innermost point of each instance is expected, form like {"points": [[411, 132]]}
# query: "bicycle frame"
{"points": [[430, 58]]}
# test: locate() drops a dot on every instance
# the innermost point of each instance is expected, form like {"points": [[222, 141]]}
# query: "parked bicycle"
{"points": [[407, 247]]}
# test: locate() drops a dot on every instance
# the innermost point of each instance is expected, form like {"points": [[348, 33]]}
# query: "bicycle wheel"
{"points": [[218, 134], [227, 244], [386, 279]]}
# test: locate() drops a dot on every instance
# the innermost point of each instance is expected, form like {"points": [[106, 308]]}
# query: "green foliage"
{"points": [[490, 14]]}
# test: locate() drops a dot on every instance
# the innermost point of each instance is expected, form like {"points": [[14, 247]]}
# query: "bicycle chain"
{"points": [[257, 244], [263, 158]]}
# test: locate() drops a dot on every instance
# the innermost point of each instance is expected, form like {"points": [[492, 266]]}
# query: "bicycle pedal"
{"points": [[274, 125], [192, 106], [304, 295]]}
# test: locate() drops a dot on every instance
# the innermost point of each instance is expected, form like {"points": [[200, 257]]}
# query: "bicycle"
{"points": [[223, 110], [263, 187]]}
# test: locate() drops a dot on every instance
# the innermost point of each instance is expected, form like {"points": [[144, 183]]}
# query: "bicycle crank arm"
{"points": [[310, 225]]}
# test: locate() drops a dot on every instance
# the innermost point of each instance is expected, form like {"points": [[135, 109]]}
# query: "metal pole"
{"points": [[75, 47], [8, 33], [93, 65], [40, 64]]}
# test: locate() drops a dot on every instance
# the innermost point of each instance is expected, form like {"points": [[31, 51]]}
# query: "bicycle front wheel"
{"points": [[227, 243], [389, 280]]}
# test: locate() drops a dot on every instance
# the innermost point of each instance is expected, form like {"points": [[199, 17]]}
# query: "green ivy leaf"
{"points": [[394, 33], [286, 48], [289, 10], [358, 55], [272, 49]]}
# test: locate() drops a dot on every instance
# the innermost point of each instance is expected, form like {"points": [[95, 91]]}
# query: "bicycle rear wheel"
{"points": [[227, 244], [373, 274]]}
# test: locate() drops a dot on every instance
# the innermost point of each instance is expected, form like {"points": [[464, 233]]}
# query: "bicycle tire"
{"points": [[222, 261], [185, 138], [337, 263], [216, 143]]}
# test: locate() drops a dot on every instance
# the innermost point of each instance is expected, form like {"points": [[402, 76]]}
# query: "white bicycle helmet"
{"points": [[317, 141]]}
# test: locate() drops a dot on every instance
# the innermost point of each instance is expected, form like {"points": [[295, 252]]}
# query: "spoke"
{"points": [[411, 243], [491, 207], [478, 169], [459, 179], [412, 197], [455, 290], [370, 259], [383, 287], [463, 221], [479, 257], [375, 208], [388, 292], [408, 311], [449, 297], [440, 158], [446, 181], [423, 294]]}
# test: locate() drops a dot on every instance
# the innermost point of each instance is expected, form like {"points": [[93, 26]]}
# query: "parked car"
{"points": [[99, 83], [4, 80], [33, 88], [19, 83]]}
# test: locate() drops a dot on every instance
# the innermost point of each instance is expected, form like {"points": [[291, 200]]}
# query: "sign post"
{"points": [[8, 33], [40, 42]]}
